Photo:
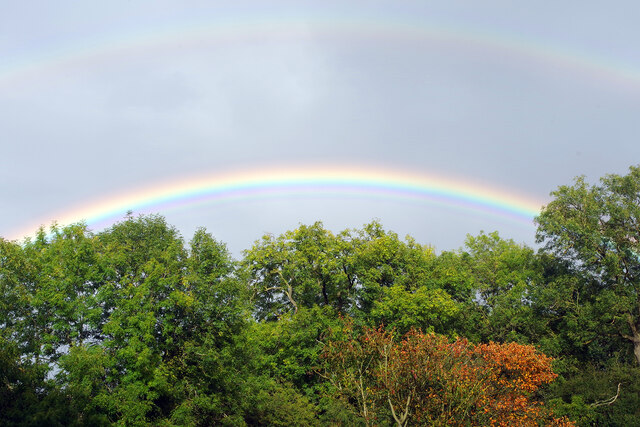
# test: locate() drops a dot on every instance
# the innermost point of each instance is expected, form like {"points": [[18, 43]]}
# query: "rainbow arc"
{"points": [[122, 46], [312, 182]]}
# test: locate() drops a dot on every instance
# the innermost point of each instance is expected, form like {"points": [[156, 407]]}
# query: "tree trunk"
{"points": [[634, 337]]}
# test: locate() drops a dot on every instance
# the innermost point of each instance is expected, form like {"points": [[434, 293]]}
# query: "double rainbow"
{"points": [[315, 181]]}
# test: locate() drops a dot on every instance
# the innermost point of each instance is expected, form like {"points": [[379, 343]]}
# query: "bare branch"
{"points": [[607, 401]]}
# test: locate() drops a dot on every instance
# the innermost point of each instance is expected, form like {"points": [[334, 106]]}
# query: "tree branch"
{"points": [[289, 292], [607, 401]]}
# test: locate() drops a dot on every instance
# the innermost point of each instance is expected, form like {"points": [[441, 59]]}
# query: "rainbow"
{"points": [[311, 181], [120, 46]]}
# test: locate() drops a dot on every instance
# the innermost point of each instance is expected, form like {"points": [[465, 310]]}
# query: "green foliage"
{"points": [[300, 268], [451, 271], [380, 260], [52, 285], [27, 398], [595, 228], [289, 349], [126, 318], [428, 309], [270, 403], [505, 277], [600, 397]]}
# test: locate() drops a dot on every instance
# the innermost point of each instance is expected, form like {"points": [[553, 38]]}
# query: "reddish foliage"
{"points": [[425, 379]]}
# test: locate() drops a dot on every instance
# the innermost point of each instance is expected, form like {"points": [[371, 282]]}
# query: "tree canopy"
{"points": [[596, 228]]}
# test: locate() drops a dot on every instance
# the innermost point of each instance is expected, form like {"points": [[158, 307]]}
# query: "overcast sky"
{"points": [[97, 98]]}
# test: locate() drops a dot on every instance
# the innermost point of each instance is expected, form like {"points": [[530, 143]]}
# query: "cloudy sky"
{"points": [[102, 98]]}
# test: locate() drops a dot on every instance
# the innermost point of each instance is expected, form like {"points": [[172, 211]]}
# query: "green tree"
{"points": [[289, 349], [506, 280], [157, 320], [46, 300], [28, 398], [300, 268], [369, 273], [14, 296], [51, 286], [379, 259], [596, 229]]}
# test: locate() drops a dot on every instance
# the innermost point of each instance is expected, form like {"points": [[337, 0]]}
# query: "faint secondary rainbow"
{"points": [[312, 182], [119, 46]]}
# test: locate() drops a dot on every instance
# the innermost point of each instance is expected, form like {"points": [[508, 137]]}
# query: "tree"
{"points": [[597, 229], [47, 306], [427, 380], [300, 268], [27, 398], [135, 327], [379, 260], [369, 273], [51, 284], [506, 280]]}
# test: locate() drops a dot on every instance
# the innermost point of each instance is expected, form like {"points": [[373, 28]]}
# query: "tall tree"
{"points": [[506, 279], [597, 229], [54, 280], [381, 260], [162, 318], [300, 268]]}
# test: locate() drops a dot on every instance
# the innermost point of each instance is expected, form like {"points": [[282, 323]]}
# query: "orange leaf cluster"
{"points": [[428, 380]]}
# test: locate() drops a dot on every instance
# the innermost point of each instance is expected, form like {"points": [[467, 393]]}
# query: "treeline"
{"points": [[134, 326]]}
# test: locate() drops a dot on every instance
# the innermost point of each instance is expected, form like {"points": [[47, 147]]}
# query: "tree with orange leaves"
{"points": [[424, 379]]}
